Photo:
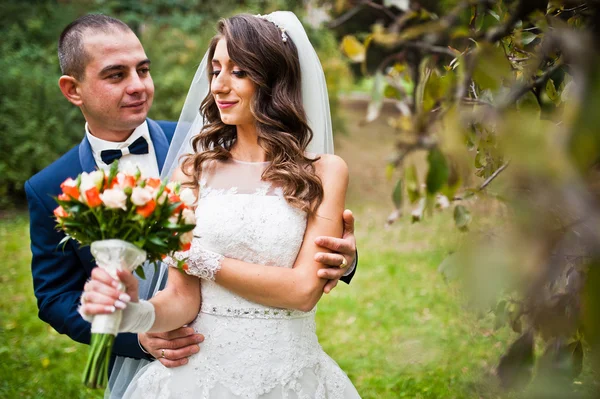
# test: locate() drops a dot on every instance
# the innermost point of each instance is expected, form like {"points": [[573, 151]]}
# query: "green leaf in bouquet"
{"points": [[140, 272], [158, 242], [178, 228], [112, 174]]}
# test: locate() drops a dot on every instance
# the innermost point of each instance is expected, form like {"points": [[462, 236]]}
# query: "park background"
{"points": [[401, 329]]}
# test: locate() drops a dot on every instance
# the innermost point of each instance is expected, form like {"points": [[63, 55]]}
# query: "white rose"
{"points": [[174, 219], [129, 168], [140, 196], [186, 238], [187, 197], [89, 180], [188, 216], [114, 198], [173, 186], [86, 182]]}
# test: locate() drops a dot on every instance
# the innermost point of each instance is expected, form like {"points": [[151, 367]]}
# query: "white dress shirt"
{"points": [[146, 162]]}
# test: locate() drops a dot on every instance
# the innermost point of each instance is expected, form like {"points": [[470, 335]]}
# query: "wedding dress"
{"points": [[250, 350]]}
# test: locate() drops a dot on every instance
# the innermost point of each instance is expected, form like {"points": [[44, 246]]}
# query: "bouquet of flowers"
{"points": [[126, 220]]}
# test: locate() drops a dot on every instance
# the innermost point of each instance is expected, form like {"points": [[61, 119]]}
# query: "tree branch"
{"points": [[493, 176], [520, 90]]}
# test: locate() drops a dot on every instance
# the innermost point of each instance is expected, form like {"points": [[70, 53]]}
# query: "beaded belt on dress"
{"points": [[254, 313]]}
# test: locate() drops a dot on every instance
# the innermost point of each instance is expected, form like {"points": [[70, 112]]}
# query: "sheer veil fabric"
{"points": [[316, 105], [314, 97]]}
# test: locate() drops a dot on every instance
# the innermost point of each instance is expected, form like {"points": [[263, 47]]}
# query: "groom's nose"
{"points": [[135, 84]]}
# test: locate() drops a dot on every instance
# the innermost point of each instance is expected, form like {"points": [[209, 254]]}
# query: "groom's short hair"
{"points": [[71, 52]]}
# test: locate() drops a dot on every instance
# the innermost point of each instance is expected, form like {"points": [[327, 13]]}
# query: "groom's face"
{"points": [[117, 89]]}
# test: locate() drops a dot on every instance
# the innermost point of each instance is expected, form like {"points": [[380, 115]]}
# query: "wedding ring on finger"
{"points": [[162, 354], [344, 263]]}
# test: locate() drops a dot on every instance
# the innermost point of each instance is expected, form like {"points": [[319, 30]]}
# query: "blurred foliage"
{"points": [[502, 97], [38, 125]]}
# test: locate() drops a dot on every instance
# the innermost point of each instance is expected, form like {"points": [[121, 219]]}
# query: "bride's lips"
{"points": [[225, 104]]}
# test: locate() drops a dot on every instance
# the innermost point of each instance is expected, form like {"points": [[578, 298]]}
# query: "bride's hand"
{"points": [[101, 295]]}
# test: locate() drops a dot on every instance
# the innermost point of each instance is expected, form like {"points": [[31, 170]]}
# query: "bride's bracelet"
{"points": [[200, 262]]}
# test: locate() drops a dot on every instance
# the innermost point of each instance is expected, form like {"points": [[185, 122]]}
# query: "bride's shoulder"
{"points": [[330, 166]]}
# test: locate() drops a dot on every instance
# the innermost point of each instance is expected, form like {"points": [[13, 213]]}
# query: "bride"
{"points": [[250, 282]]}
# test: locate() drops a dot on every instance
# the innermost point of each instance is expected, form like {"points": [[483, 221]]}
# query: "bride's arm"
{"points": [[300, 287], [178, 303]]}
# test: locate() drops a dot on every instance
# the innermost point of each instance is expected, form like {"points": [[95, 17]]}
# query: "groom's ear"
{"points": [[69, 87]]}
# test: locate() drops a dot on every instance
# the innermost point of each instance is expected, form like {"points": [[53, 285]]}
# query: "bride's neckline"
{"points": [[249, 162]]}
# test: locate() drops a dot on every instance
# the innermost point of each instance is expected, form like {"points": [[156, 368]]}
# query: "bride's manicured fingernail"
{"points": [[120, 305], [125, 298], [110, 309]]}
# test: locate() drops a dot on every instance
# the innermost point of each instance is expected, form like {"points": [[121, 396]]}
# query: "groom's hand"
{"points": [[343, 249], [172, 348]]}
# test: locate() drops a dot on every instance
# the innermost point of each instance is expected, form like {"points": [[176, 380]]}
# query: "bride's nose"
{"points": [[220, 83]]}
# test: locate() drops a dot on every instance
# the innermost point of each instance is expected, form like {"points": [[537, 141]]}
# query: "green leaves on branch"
{"points": [[377, 92], [492, 67], [438, 173], [353, 48], [516, 366], [462, 217]]}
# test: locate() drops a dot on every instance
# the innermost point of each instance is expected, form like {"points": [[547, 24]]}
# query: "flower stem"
{"points": [[95, 374]]}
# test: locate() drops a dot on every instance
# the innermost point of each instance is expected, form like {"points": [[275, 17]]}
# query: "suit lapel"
{"points": [[86, 158], [160, 142]]}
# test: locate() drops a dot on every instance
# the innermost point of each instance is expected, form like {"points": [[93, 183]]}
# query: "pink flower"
{"points": [[140, 196], [60, 213], [114, 198]]}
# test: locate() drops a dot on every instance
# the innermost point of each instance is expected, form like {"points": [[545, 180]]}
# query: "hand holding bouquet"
{"points": [[126, 219]]}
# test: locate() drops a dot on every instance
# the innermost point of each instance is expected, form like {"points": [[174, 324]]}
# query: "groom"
{"points": [[106, 73]]}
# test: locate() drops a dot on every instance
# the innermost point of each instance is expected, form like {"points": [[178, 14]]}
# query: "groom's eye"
{"points": [[144, 71], [115, 76]]}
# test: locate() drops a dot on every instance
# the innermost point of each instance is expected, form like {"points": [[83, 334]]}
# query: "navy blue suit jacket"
{"points": [[59, 276]]}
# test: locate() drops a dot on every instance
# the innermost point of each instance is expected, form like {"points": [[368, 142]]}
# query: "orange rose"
{"points": [[111, 185], [92, 196], [186, 246], [147, 209], [153, 182], [60, 212], [185, 267], [69, 188]]}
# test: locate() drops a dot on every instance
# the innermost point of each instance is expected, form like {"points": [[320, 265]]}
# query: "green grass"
{"points": [[36, 361]]}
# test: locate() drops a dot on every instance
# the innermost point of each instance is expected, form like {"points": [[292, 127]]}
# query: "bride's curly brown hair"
{"points": [[255, 45]]}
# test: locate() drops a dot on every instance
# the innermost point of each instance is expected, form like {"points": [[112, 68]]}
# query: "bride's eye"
{"points": [[240, 74], [215, 73]]}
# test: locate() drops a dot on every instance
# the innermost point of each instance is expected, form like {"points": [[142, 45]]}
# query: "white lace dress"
{"points": [[250, 350]]}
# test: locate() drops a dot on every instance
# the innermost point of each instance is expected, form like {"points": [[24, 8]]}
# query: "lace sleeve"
{"points": [[199, 262]]}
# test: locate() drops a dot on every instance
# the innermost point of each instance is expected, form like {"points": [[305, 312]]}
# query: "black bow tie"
{"points": [[139, 146]]}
